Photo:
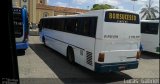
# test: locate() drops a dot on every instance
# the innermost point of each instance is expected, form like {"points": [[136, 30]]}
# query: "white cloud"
{"points": [[157, 3], [141, 2], [75, 7], [110, 2], [65, 5], [80, 1], [62, 4], [121, 7], [47, 1]]}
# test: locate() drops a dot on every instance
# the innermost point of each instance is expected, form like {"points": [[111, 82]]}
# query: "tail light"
{"points": [[101, 57], [138, 55]]}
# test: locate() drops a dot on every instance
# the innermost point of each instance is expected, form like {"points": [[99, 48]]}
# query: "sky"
{"points": [[87, 4]]}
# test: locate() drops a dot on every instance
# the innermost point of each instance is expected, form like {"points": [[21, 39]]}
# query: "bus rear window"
{"points": [[121, 17], [149, 28]]}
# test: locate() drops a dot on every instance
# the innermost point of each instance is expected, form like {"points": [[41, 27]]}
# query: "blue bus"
{"points": [[20, 18]]}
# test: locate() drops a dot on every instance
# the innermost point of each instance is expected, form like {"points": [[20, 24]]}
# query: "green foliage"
{"points": [[102, 6]]}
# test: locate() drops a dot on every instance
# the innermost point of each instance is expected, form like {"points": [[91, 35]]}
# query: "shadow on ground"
{"points": [[149, 55], [74, 73], [20, 52]]}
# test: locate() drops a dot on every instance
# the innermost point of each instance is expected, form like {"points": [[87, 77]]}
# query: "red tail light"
{"points": [[101, 57], [138, 55]]}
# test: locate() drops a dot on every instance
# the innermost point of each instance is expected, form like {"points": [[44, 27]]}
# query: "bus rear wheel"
{"points": [[43, 39], [70, 55]]}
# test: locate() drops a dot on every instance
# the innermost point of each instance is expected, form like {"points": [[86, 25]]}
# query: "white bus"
{"points": [[101, 40], [150, 35]]}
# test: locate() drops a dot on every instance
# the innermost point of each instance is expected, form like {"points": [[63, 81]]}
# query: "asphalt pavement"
{"points": [[42, 65]]}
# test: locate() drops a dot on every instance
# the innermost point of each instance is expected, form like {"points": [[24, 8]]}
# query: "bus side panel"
{"points": [[54, 43], [150, 42], [83, 46], [150, 36]]}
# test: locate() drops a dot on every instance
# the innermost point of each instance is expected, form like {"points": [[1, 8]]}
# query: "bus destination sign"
{"points": [[121, 17]]}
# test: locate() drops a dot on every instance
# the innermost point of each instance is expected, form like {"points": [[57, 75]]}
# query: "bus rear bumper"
{"points": [[22, 46], [112, 67]]}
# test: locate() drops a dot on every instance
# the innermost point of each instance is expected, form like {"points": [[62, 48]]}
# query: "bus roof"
{"points": [[65, 16], [120, 10], [90, 13], [150, 21]]}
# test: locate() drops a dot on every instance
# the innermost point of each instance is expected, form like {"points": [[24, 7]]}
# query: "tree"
{"points": [[149, 12], [102, 6]]}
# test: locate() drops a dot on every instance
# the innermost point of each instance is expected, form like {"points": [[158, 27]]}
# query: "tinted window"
{"points": [[71, 25], [60, 24], [93, 26], [89, 25], [17, 20], [45, 23], [80, 25], [86, 26], [149, 28]]}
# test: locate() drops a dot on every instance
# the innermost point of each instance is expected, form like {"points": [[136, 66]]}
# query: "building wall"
{"points": [[43, 13], [63, 13], [42, 2], [16, 3], [39, 8], [36, 14], [24, 4], [32, 11], [20, 3]]}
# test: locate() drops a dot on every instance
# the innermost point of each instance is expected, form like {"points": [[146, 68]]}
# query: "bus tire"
{"points": [[70, 55], [43, 40], [20, 52]]}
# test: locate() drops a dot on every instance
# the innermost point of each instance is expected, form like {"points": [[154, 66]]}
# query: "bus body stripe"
{"points": [[64, 42]]}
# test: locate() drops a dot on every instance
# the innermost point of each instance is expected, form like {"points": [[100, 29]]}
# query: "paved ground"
{"points": [[34, 32], [42, 65]]}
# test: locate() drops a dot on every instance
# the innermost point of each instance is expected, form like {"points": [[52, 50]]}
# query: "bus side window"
{"points": [[86, 26], [71, 25], [44, 24], [58, 24], [154, 28], [149, 28], [93, 26]]}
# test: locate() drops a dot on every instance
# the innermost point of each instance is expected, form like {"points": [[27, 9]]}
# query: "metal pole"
{"points": [[133, 3]]}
